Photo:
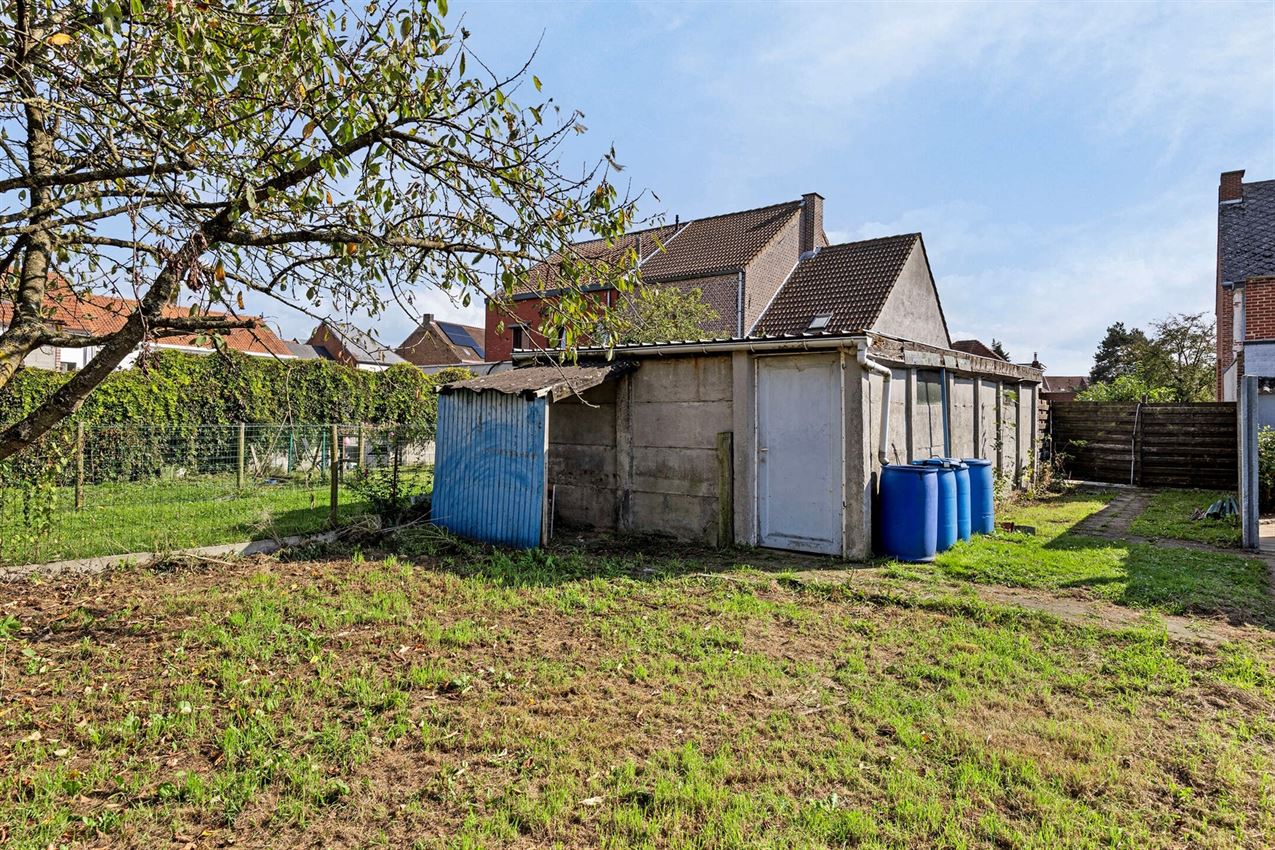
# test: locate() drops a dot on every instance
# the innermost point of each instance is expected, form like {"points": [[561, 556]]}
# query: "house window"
{"points": [[818, 323], [520, 337], [68, 366]]}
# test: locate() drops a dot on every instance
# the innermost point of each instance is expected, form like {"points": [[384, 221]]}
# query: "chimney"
{"points": [[811, 224], [1231, 189]]}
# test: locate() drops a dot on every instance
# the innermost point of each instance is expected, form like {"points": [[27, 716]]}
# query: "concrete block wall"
{"points": [[676, 409], [582, 462], [962, 413]]}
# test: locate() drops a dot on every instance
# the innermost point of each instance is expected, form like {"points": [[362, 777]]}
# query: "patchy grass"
{"points": [[1169, 516], [495, 700], [1172, 580], [165, 515]]}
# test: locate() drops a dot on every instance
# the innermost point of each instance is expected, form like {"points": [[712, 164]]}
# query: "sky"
{"points": [[1061, 160]]}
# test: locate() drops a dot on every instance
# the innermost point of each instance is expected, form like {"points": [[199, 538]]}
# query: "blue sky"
{"points": [[1061, 160]]}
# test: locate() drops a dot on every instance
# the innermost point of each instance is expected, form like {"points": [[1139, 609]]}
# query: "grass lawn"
{"points": [[1172, 580], [1169, 515], [164, 515], [476, 700]]}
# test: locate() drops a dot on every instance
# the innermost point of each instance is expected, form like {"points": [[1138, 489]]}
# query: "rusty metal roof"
{"points": [[557, 382]]}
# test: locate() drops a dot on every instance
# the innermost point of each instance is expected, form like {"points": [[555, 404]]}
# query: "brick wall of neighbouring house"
{"points": [[1259, 308], [768, 270], [1230, 189], [430, 348], [529, 313]]}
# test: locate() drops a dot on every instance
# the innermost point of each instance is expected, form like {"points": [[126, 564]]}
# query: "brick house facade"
{"points": [[737, 260], [439, 343], [1245, 286]]}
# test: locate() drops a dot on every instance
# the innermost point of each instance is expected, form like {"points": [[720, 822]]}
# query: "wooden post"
{"points": [[239, 468], [725, 489], [79, 466], [362, 446], [334, 473]]}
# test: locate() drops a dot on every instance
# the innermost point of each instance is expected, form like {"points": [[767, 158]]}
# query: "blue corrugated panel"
{"points": [[489, 473]]}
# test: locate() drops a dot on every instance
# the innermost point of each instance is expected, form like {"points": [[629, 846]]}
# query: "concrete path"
{"points": [[1115, 519], [1070, 609]]}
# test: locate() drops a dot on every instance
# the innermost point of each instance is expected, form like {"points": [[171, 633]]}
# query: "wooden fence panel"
{"points": [[1155, 445]]}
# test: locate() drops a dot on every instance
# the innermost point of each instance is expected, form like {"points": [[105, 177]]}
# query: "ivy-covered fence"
{"points": [[172, 388], [192, 450]]}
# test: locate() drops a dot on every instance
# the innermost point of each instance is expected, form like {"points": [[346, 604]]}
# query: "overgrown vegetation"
{"points": [[1174, 363], [174, 388], [578, 699], [1170, 515]]}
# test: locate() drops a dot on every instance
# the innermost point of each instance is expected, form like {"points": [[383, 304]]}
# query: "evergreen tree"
{"points": [[1117, 354]]}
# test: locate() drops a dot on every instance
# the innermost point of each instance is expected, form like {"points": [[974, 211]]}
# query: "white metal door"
{"points": [[800, 472]]}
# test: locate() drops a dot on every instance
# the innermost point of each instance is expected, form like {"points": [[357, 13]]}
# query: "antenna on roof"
{"points": [[677, 220]]}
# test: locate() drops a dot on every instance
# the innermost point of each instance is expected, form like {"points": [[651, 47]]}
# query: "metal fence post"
{"points": [[79, 466], [1250, 488], [239, 469], [334, 472]]}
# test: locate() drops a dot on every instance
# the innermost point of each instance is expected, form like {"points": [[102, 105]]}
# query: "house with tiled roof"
{"points": [[765, 272], [435, 342], [1063, 387], [92, 314], [975, 346], [1245, 287], [350, 346]]}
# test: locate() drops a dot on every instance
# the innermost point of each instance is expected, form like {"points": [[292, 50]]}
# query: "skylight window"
{"points": [[818, 323]]}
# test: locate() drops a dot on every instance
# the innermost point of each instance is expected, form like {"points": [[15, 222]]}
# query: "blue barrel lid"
{"points": [[975, 461], [899, 467], [943, 462]]}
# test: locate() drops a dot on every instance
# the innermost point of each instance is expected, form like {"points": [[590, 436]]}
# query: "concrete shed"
{"points": [[775, 442]]}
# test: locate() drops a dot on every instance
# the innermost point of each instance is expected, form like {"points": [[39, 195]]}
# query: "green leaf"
{"points": [[535, 81]]}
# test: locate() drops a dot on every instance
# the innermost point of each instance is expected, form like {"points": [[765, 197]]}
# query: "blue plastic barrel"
{"points": [[949, 501], [909, 512], [962, 471], [964, 521], [982, 497]]}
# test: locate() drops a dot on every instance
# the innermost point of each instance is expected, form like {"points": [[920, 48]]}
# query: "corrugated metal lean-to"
{"points": [[489, 474]]}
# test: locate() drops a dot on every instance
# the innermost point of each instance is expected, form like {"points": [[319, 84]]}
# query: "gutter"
{"points": [[712, 347], [870, 365]]}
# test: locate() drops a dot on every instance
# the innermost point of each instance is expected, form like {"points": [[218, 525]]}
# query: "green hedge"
{"points": [[175, 388]]}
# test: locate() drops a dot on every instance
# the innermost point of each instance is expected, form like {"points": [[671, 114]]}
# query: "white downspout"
{"points": [[886, 375]]}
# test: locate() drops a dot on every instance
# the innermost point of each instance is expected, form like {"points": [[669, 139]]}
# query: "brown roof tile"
{"points": [[700, 247], [93, 314], [720, 243], [849, 283], [975, 346]]}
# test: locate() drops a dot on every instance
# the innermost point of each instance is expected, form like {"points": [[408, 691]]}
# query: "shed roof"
{"points": [[557, 382]]}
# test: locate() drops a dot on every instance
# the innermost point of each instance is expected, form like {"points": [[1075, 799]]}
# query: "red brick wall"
{"points": [[500, 345], [1259, 309]]}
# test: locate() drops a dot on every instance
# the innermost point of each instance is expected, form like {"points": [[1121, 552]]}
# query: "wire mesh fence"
{"points": [[116, 489]]}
